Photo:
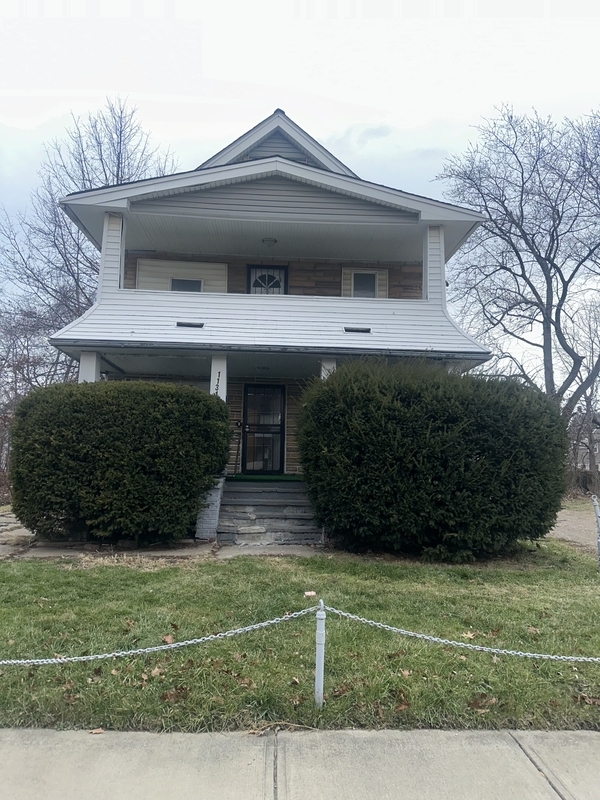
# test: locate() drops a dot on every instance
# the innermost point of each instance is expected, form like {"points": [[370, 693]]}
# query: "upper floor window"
{"points": [[364, 284], [267, 280]]}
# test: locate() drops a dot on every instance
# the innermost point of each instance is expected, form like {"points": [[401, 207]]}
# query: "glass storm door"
{"points": [[262, 450]]}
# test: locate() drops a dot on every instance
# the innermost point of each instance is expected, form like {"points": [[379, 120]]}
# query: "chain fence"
{"points": [[464, 645], [36, 662], [320, 610]]}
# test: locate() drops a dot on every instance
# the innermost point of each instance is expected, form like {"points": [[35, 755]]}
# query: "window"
{"points": [[364, 284], [185, 285], [267, 280], [364, 281]]}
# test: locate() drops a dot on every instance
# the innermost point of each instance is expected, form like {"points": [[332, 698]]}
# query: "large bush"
{"points": [[115, 460], [411, 458]]}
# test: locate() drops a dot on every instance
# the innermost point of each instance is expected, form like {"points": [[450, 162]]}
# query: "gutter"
{"points": [[87, 344]]}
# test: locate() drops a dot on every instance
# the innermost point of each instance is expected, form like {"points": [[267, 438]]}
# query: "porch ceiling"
{"points": [[244, 238], [196, 366]]}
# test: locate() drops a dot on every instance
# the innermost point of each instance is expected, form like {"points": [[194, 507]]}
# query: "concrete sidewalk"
{"points": [[329, 765]]}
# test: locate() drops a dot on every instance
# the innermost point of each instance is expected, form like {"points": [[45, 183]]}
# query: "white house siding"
{"points": [[382, 280], [263, 322], [276, 144], [435, 264], [275, 198], [111, 259], [156, 275]]}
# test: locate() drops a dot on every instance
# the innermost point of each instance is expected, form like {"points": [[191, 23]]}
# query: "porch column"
{"points": [[112, 255], [89, 367], [434, 265], [328, 365], [218, 377]]}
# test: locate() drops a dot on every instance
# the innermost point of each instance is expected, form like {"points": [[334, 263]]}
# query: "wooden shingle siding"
{"points": [[292, 457], [309, 278], [406, 282], [274, 198], [156, 274], [323, 280], [235, 394]]}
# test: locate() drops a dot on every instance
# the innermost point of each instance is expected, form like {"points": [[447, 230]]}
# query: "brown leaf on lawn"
{"points": [[156, 672], [11, 641], [495, 659], [97, 730], [239, 656], [217, 700], [175, 695], [114, 672], [128, 624], [531, 629], [462, 658], [70, 698], [482, 702], [468, 635], [247, 683], [342, 689], [397, 654], [69, 684], [98, 671], [175, 626], [296, 700], [584, 698], [402, 706], [144, 676], [406, 672], [294, 682], [167, 638], [94, 679]]}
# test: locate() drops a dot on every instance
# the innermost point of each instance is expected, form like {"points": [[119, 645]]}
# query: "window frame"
{"points": [[374, 273], [188, 280], [266, 267]]}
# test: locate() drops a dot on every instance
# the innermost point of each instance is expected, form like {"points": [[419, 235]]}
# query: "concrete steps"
{"points": [[256, 512]]}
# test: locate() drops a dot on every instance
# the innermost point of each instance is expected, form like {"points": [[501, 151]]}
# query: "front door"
{"points": [[263, 442]]}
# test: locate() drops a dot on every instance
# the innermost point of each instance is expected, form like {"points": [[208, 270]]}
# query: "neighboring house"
{"points": [[268, 265]]}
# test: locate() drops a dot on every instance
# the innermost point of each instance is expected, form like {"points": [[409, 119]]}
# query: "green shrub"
{"points": [[115, 460], [413, 459]]}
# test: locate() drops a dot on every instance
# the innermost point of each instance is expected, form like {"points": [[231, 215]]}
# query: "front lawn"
{"points": [[545, 600]]}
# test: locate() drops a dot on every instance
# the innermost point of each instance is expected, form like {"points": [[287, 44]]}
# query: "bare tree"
{"points": [[49, 268], [535, 259]]}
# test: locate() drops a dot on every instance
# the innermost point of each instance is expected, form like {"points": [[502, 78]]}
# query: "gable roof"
{"points": [[278, 135]]}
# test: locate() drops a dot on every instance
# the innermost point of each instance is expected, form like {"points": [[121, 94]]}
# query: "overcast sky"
{"points": [[391, 87]]}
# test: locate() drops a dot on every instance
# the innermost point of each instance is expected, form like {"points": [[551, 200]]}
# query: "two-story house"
{"points": [[268, 265]]}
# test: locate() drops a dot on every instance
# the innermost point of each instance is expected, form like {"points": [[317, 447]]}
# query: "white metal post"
{"points": [[597, 510], [320, 659]]}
